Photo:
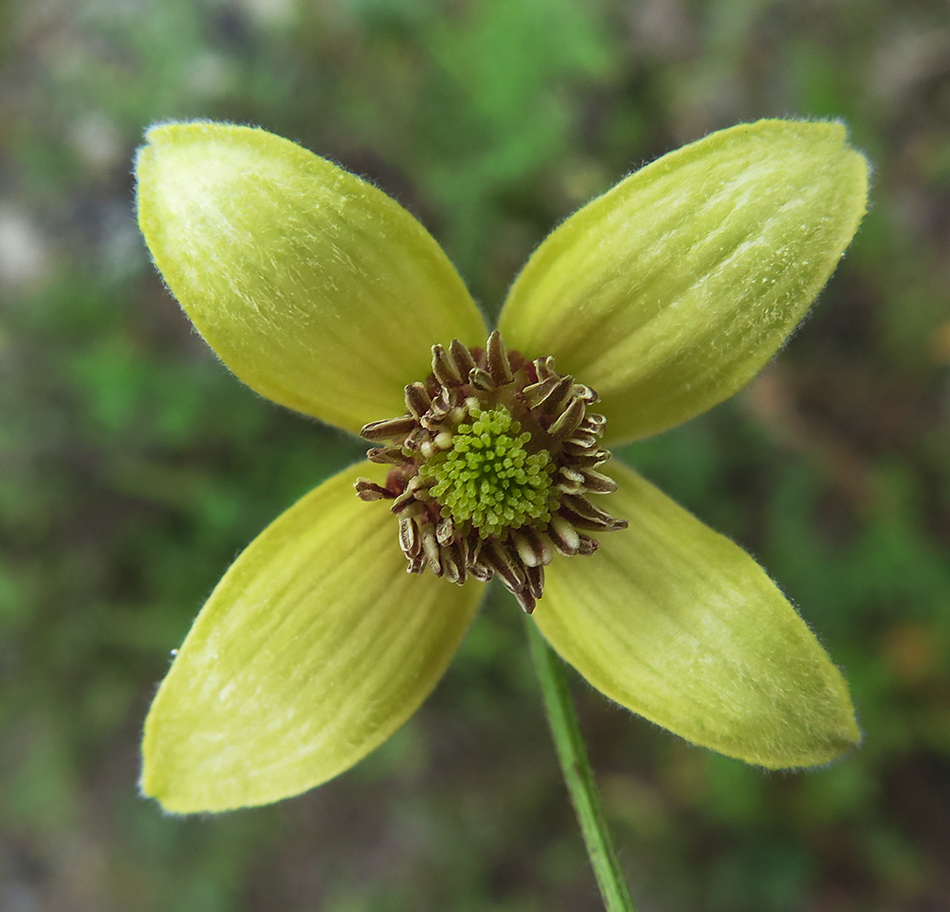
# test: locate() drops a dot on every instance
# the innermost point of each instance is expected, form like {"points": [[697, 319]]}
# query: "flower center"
{"points": [[491, 467], [489, 478]]}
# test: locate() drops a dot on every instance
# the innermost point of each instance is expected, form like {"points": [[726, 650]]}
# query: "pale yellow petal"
{"points": [[317, 290], [671, 291], [677, 623], [313, 649]]}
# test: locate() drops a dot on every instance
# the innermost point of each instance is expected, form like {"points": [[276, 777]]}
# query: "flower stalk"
{"points": [[578, 776]]}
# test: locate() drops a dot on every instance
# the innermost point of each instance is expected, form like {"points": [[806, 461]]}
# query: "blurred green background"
{"points": [[133, 467]]}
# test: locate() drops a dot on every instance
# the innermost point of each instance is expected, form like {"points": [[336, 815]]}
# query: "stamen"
{"points": [[498, 365], [409, 539], [481, 379], [583, 509], [590, 457], [535, 579], [453, 567], [368, 490], [444, 367], [480, 571], [571, 480], [544, 367], [505, 564], [445, 531], [388, 456], [591, 525], [417, 400], [568, 421], [390, 429], [490, 466], [588, 545], [536, 393], [580, 442], [597, 483], [431, 550], [557, 396], [563, 535], [462, 357], [532, 549]]}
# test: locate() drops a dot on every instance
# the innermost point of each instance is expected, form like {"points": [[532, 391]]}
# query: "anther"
{"points": [[572, 480], [535, 579], [544, 367], [417, 399], [368, 490], [462, 357], [463, 549], [453, 569], [409, 537], [568, 421], [444, 367], [444, 402], [532, 549], [536, 393], [404, 501], [592, 520], [525, 599], [563, 535], [590, 457], [580, 442], [597, 483], [445, 530], [481, 379], [389, 429], [582, 508], [554, 402], [498, 364], [504, 564], [587, 545], [388, 456], [480, 571], [414, 492], [416, 438], [430, 548]]}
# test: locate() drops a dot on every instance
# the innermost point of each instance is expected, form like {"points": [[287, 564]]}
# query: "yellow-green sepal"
{"points": [[669, 292], [311, 651], [315, 288], [675, 622]]}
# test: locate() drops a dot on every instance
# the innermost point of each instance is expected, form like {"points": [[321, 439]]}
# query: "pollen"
{"points": [[491, 467]]}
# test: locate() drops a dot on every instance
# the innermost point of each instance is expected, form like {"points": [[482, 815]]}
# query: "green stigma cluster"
{"points": [[488, 478]]}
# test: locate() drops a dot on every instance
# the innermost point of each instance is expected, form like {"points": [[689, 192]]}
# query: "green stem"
{"points": [[578, 776]]}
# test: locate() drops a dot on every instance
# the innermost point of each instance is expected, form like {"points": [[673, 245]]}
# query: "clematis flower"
{"points": [[662, 297]]}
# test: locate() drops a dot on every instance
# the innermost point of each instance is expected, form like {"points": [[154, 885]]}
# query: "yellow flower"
{"points": [[665, 296]]}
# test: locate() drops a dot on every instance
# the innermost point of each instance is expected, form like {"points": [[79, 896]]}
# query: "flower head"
{"points": [[492, 463], [655, 301]]}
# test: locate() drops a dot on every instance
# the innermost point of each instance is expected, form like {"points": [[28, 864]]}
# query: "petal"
{"points": [[668, 293], [678, 624], [312, 650], [317, 290]]}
